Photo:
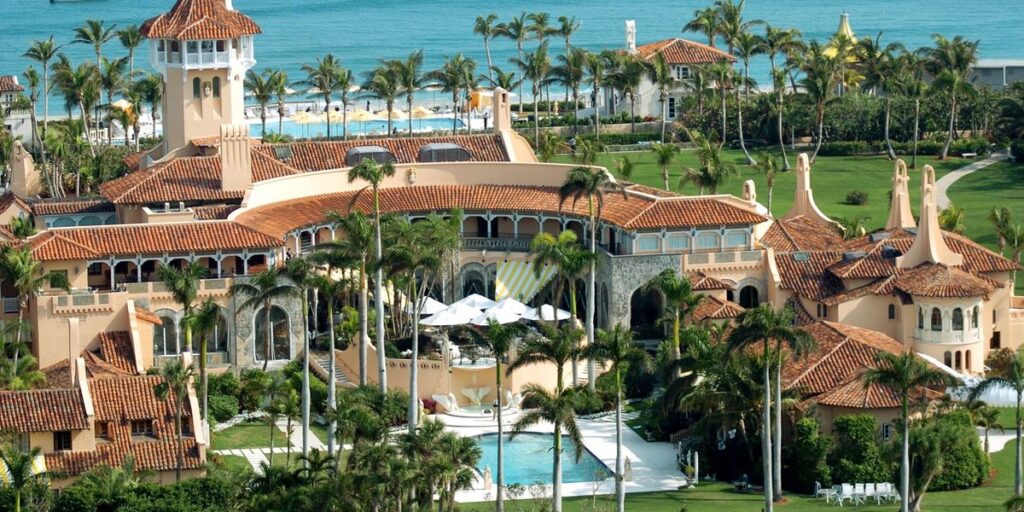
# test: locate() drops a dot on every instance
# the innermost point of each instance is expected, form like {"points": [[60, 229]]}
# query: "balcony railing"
{"points": [[207, 58], [967, 335], [509, 243]]}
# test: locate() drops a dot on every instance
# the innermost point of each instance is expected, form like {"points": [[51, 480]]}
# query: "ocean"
{"points": [[361, 32]]}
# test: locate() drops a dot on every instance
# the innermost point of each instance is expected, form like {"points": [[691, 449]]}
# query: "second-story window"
{"points": [[142, 428], [197, 87], [216, 87], [936, 319], [62, 440], [958, 319]]}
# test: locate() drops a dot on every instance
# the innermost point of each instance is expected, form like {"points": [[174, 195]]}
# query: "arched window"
{"points": [[920, 318], [165, 335], [958, 360], [936, 319], [892, 311], [967, 359], [947, 358], [197, 87], [216, 87], [958, 319], [749, 297], [279, 349], [974, 317], [218, 338]]}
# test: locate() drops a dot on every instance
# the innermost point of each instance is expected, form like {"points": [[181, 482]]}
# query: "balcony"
{"points": [[207, 59], [501, 243], [740, 258], [944, 337]]}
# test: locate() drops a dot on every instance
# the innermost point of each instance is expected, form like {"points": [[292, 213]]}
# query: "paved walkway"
{"points": [[943, 184], [255, 456]]}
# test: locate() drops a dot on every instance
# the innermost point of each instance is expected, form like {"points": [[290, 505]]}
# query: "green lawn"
{"points": [[320, 431], [246, 435], [721, 498], [998, 185], [234, 463]]}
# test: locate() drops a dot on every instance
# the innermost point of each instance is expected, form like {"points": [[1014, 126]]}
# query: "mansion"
{"points": [[211, 194]]}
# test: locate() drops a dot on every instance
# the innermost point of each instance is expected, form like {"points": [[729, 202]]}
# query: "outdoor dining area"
{"points": [[857, 494]]}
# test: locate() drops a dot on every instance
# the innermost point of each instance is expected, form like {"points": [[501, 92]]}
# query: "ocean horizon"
{"points": [[362, 33]]}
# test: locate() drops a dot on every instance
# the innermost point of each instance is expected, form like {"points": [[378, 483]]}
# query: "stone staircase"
{"points": [[320, 363]]}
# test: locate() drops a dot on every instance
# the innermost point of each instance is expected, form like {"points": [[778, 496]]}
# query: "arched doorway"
{"points": [[645, 309], [280, 348], [749, 297]]}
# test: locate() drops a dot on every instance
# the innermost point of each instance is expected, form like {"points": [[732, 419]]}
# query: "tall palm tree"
{"points": [[113, 81], [722, 74], [627, 78], [820, 84], [570, 72], [616, 347], [43, 51], [183, 285], [176, 379], [261, 87], [536, 68], [1012, 378], [485, 27], [131, 39], [21, 470], [374, 173], [705, 21], [1001, 219], [518, 30], [768, 165], [592, 184], [984, 416], [357, 240], [80, 88], [746, 46], [904, 373], [557, 409], [409, 76], [664, 155], [259, 291], [202, 321], [302, 274], [279, 80], [714, 169], [680, 301], [778, 41], [382, 82], [500, 339], [879, 66], [597, 71], [333, 292], [32, 84], [950, 62], [505, 79], [452, 77], [346, 84], [797, 343], [659, 72], [151, 88], [27, 276], [323, 79], [95, 33], [289, 405]]}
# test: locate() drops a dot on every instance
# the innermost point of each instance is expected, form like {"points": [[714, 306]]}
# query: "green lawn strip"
{"points": [[320, 431], [246, 435], [234, 463]]}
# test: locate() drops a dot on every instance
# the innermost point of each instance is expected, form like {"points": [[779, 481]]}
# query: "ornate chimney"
{"points": [[803, 199], [631, 36], [502, 110], [900, 215], [929, 244], [24, 177], [235, 158]]}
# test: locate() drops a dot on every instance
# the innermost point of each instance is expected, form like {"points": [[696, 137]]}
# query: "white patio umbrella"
{"points": [[546, 313], [428, 306], [476, 301], [502, 316], [456, 314], [510, 304]]}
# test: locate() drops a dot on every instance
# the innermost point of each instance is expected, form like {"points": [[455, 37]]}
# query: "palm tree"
{"points": [[334, 291], [536, 68], [374, 173], [722, 73], [183, 285], [570, 73], [409, 76], [112, 80], [555, 408], [505, 80], [80, 89], [42, 51], [382, 83], [1012, 378], [356, 243], [289, 405], [627, 78], [517, 30], [714, 169], [747, 46], [705, 21], [616, 347], [301, 273], [780, 41], [592, 184], [202, 321], [952, 218], [768, 165], [95, 33], [500, 339], [323, 79], [913, 87], [131, 39], [111, 485], [346, 84], [904, 373], [1000, 218], [32, 83], [664, 154], [880, 69], [680, 301], [259, 291], [984, 416], [21, 470], [486, 28], [659, 72], [950, 62], [27, 276], [151, 88], [597, 69], [176, 379], [279, 80], [820, 83], [452, 77], [262, 88]]}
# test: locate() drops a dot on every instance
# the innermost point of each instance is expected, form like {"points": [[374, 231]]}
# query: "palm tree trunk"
{"points": [[821, 133], [724, 127], [490, 77], [500, 492], [575, 112], [1017, 490], [177, 428], [905, 460], [949, 133], [556, 471], [382, 381], [263, 122], [573, 319], [888, 143], [204, 383], [664, 121], [917, 123], [739, 127], [269, 349], [766, 449], [332, 380], [777, 435], [536, 120], [327, 106], [305, 377], [280, 117], [364, 321], [344, 118], [782, 142], [591, 285], [620, 477], [414, 401], [408, 102], [632, 115]]}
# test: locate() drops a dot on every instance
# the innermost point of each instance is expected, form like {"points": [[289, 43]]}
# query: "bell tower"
{"points": [[202, 48]]}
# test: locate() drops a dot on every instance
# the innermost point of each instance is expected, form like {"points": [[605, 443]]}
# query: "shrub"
{"points": [[808, 455], [590, 402], [977, 145], [1017, 150], [223, 407], [857, 456], [638, 383], [964, 464], [998, 361], [223, 384], [857, 197], [624, 138]]}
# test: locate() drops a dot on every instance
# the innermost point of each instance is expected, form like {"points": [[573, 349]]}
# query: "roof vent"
{"points": [[879, 236], [889, 252], [283, 153], [375, 153], [442, 152], [853, 255], [801, 256]]}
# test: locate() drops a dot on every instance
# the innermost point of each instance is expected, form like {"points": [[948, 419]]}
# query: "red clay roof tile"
{"points": [[199, 19]]}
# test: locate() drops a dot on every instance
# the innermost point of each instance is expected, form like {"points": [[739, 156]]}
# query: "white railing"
{"points": [[970, 335], [207, 58]]}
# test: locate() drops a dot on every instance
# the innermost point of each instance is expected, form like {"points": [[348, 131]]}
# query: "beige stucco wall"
{"points": [[187, 118]]}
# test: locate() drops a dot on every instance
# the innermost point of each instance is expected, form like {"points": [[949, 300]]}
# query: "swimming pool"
{"points": [[528, 460], [310, 130]]}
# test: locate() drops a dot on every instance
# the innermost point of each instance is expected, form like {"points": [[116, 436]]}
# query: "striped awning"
{"points": [[516, 279], [38, 468]]}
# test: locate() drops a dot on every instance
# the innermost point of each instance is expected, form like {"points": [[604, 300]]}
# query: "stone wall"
{"points": [[623, 275]]}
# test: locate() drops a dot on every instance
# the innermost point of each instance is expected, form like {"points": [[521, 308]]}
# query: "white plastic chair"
{"points": [[859, 493], [844, 493], [825, 492]]}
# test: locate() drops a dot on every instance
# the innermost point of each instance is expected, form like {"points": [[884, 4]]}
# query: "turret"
{"points": [[929, 243], [900, 215], [803, 198]]}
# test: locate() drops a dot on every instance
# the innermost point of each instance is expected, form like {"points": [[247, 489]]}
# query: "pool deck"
{"points": [[654, 464]]}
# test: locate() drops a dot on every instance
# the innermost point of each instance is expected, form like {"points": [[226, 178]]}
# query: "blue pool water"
{"points": [[528, 460], [355, 128]]}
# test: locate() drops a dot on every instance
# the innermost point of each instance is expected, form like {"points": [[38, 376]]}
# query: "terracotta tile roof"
{"points": [[42, 410], [700, 281], [199, 19], [646, 189], [324, 155], [147, 315], [116, 349], [806, 273], [214, 212], [9, 83], [876, 263], [71, 206], [853, 394], [133, 161], [194, 178], [93, 242], [9, 198], [931, 280], [711, 308], [691, 211], [803, 317], [683, 51], [801, 234], [842, 351], [882, 286]]}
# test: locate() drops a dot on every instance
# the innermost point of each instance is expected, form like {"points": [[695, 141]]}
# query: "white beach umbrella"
{"points": [[364, 115], [476, 301], [510, 304], [428, 306], [547, 313], [502, 316], [456, 314]]}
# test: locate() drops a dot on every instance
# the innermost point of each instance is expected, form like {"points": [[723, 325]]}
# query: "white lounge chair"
{"points": [[827, 492], [859, 494], [844, 493]]}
